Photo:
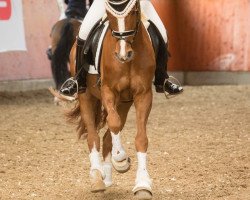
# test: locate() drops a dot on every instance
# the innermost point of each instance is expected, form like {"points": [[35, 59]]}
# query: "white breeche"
{"points": [[60, 4], [97, 11]]}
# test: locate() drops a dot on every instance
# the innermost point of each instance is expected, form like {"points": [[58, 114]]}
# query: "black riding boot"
{"points": [[162, 80], [164, 84], [76, 84]]}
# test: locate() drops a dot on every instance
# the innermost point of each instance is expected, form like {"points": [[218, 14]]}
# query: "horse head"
{"points": [[124, 18]]}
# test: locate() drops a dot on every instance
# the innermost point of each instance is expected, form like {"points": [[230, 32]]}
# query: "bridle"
{"points": [[117, 2], [130, 33]]}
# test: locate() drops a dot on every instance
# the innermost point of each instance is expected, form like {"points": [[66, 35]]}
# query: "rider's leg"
{"points": [[95, 13], [161, 77], [60, 5], [78, 83], [150, 12]]}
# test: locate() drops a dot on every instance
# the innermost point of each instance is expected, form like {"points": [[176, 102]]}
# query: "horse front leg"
{"points": [[122, 110], [97, 175], [115, 120], [143, 104]]}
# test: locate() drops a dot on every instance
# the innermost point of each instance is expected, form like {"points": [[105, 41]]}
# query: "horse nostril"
{"points": [[128, 57], [130, 54]]}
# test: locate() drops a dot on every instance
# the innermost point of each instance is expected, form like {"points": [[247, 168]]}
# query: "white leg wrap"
{"points": [[95, 161], [107, 167], [142, 177], [118, 152]]}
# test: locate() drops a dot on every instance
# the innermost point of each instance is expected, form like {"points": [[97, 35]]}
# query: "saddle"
{"points": [[93, 46]]}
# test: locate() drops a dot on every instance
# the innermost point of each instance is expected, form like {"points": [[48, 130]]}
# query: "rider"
{"points": [[95, 13], [75, 9]]}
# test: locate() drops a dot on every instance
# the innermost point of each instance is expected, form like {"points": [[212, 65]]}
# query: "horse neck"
{"points": [[142, 37]]}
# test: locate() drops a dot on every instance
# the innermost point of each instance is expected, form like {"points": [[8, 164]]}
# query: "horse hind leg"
{"points": [[106, 153], [97, 175]]}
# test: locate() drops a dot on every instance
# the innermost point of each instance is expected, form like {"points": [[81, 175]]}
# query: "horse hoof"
{"points": [[122, 166], [97, 184], [143, 195]]}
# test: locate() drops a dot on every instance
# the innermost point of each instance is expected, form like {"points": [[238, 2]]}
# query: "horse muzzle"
{"points": [[129, 56], [124, 52]]}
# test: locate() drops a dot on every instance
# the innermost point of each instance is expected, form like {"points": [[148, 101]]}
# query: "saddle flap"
{"points": [[93, 46]]}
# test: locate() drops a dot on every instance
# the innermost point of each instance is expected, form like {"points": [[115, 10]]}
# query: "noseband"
{"points": [[130, 5]]}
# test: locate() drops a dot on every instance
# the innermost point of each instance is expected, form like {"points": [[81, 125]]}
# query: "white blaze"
{"points": [[121, 27]]}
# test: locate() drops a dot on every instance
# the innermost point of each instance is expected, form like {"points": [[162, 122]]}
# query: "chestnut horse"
{"points": [[127, 70]]}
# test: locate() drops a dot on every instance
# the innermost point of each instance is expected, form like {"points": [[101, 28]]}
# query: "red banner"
{"points": [[11, 26], [5, 9]]}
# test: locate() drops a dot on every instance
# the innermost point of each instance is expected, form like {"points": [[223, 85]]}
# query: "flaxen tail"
{"points": [[74, 116]]}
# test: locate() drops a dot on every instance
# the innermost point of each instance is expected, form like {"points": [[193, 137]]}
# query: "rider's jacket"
{"points": [[76, 8]]}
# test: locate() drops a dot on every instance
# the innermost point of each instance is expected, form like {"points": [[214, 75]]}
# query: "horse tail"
{"points": [[100, 115], [61, 54], [74, 116]]}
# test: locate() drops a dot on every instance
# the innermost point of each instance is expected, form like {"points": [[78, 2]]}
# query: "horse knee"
{"points": [[114, 121]]}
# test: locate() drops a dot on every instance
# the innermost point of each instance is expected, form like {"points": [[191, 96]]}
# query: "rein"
{"points": [[131, 3]]}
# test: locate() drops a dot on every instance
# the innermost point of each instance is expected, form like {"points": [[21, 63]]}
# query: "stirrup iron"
{"points": [[74, 97], [168, 96]]}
